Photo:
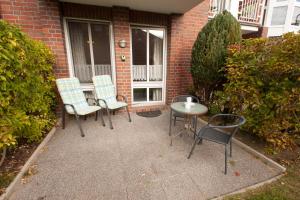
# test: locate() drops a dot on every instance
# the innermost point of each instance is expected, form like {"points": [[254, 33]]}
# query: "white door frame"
{"points": [[147, 84], [88, 87]]}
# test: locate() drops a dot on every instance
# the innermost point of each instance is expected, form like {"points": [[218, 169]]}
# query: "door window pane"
{"points": [[139, 94], [80, 51], [155, 94], [279, 15], [101, 48], [156, 44], [139, 47], [139, 54]]}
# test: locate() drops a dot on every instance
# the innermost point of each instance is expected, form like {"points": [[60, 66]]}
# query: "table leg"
{"points": [[170, 125], [178, 134], [196, 121]]}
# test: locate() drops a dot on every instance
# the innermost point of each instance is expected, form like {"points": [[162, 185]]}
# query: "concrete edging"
{"points": [[10, 189], [262, 157]]}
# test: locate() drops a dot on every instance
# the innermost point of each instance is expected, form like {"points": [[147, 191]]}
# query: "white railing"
{"points": [[85, 72], [251, 11], [139, 72], [246, 11]]}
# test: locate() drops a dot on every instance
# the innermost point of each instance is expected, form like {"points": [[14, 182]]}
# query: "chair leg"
{"points": [[195, 126], [109, 118], [129, 118], [96, 115], [101, 116], [175, 121], [79, 125], [193, 147], [225, 159], [63, 117], [230, 148], [170, 125]]}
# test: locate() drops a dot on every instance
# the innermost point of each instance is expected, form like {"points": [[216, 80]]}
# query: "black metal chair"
{"points": [[220, 129], [183, 98]]}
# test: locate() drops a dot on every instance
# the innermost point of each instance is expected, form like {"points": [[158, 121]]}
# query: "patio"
{"points": [[135, 161]]}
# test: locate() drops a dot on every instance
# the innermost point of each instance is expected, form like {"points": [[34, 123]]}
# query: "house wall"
{"points": [[42, 20], [183, 31]]}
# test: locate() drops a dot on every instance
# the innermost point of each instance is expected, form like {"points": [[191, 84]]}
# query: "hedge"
{"points": [[27, 97], [264, 86]]}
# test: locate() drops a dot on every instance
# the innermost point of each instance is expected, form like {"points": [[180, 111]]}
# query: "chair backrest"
{"points": [[182, 98], [71, 93], [104, 88], [229, 123]]}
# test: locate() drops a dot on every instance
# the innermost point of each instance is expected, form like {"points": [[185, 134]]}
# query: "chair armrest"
{"points": [[98, 102], [124, 98], [72, 106]]}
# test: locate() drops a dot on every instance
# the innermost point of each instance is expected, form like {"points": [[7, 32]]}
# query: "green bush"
{"points": [[264, 86], [210, 51], [27, 97]]}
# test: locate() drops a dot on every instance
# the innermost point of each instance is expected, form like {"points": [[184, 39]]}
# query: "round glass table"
{"points": [[190, 113]]}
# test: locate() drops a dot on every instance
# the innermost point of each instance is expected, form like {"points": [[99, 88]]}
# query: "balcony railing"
{"points": [[246, 11]]}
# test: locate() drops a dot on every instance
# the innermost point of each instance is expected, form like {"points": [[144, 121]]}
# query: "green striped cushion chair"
{"points": [[106, 95], [73, 99]]}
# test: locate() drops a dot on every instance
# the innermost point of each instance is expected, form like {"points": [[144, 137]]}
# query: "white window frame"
{"points": [[88, 86], [277, 30], [149, 84]]}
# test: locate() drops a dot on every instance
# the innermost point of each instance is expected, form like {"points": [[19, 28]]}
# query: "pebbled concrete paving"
{"points": [[135, 161]]}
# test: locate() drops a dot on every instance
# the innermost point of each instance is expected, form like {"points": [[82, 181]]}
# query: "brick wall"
{"points": [[41, 20], [182, 32], [121, 28], [262, 32]]}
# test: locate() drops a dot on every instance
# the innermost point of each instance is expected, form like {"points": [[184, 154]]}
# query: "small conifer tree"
{"points": [[210, 51]]}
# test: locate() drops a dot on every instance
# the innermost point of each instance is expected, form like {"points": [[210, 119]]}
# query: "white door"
{"points": [[148, 65]]}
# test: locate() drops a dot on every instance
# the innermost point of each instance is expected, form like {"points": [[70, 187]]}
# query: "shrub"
{"points": [[210, 51], [264, 86], [27, 98]]}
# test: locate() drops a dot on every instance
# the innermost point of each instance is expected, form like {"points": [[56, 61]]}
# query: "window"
{"points": [[279, 15], [90, 48], [295, 14]]}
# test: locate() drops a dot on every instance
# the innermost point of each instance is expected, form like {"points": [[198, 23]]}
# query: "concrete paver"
{"points": [[135, 161]]}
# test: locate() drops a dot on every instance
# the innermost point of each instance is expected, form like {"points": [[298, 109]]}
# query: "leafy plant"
{"points": [[210, 51], [264, 86], [27, 97]]}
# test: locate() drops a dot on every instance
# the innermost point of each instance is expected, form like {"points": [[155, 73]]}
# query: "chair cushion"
{"points": [[105, 89], [85, 110], [71, 93], [113, 105]]}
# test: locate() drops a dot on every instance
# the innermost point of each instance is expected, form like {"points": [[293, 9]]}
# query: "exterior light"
{"points": [[122, 43], [297, 21]]}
